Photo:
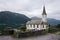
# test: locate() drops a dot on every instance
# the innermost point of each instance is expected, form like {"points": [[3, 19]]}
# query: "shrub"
{"points": [[22, 28]]}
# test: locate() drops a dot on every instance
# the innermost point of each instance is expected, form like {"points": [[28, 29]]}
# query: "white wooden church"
{"points": [[38, 24]]}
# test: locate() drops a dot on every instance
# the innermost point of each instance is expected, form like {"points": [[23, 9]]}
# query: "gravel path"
{"points": [[43, 37]]}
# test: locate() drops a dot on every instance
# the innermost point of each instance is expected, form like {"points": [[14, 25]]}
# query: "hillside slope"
{"points": [[8, 18]]}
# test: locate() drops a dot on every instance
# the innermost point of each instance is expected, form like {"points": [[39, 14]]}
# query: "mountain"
{"points": [[53, 21], [15, 20], [34, 18], [12, 19], [50, 20]]}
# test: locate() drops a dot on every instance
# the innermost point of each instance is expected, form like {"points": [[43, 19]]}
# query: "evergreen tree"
{"points": [[58, 26]]}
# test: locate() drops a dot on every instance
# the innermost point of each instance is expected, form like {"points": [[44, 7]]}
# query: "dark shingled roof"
{"points": [[44, 12], [36, 22]]}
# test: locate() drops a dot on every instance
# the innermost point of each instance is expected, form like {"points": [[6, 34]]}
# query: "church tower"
{"points": [[44, 15]]}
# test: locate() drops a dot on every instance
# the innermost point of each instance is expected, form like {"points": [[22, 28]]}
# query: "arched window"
{"points": [[43, 26], [37, 26], [34, 25], [31, 25]]}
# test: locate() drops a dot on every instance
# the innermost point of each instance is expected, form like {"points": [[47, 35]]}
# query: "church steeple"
{"points": [[44, 11], [44, 15]]}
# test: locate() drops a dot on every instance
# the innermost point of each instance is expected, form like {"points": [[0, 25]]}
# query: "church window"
{"points": [[37, 26], [34, 25], [43, 26]]}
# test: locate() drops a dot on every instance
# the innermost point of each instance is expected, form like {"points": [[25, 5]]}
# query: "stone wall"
{"points": [[30, 33]]}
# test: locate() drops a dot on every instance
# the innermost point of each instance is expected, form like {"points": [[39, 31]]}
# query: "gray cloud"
{"points": [[32, 7]]}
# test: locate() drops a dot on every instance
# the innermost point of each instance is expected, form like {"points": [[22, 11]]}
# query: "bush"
{"points": [[8, 28], [52, 29], [0, 32], [22, 28], [58, 26]]}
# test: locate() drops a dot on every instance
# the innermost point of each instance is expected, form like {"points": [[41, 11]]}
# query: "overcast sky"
{"points": [[32, 7]]}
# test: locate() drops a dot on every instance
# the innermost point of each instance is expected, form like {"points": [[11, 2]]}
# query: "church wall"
{"points": [[44, 18], [31, 27], [35, 26], [43, 27], [27, 26], [39, 26]]}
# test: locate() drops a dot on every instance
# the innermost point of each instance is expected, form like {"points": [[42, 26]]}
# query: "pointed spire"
{"points": [[44, 12]]}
